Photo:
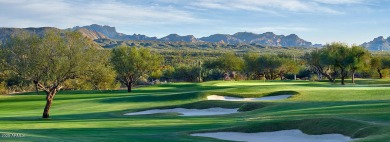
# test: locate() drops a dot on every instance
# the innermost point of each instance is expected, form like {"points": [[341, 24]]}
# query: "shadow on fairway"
{"points": [[150, 134], [154, 98], [175, 93]]}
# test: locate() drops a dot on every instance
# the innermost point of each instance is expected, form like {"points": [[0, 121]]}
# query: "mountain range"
{"points": [[95, 31], [6, 33], [108, 34]]}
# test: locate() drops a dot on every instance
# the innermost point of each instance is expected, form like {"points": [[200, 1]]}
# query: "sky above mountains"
{"points": [[318, 21]]}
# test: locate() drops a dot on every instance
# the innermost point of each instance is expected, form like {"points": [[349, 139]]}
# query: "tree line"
{"points": [[67, 60], [338, 60]]}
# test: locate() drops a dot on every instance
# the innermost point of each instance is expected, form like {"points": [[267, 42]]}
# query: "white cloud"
{"points": [[276, 29], [274, 6], [339, 1], [64, 14]]}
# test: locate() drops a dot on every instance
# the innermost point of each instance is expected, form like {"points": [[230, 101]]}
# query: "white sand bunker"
{"points": [[267, 98], [188, 112], [277, 136]]}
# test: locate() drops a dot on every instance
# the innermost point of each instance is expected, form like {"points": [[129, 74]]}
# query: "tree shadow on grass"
{"points": [[137, 94], [166, 95], [150, 134], [107, 115], [154, 98], [179, 87], [181, 131], [172, 88]]}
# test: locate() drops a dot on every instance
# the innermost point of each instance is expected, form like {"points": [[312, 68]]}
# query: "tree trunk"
{"points": [[319, 75], [380, 74], [329, 77], [129, 84], [200, 74], [334, 74], [36, 88], [353, 77], [343, 74], [128, 88], [47, 108], [49, 100]]}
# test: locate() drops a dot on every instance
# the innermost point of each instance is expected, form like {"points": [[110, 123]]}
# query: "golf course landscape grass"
{"points": [[360, 111]]}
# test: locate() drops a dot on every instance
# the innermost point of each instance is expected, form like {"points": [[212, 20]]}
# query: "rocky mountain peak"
{"points": [[111, 33], [379, 43], [292, 36], [246, 36], [92, 34], [225, 38], [178, 38], [269, 34], [380, 38], [106, 30], [267, 39]]}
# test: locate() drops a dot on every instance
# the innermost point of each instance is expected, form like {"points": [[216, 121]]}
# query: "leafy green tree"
{"points": [[313, 61], [51, 61], [338, 59], [156, 74], [20, 58], [268, 65], [102, 78], [360, 60], [376, 63], [288, 65], [186, 73], [168, 72], [104, 75], [379, 63], [339, 55], [3, 88], [328, 56], [3, 77], [131, 63], [251, 66], [330, 61], [227, 62]]}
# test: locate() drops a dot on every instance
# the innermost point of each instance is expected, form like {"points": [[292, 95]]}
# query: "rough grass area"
{"points": [[360, 110]]}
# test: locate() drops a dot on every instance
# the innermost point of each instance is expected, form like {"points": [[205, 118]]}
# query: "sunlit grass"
{"points": [[98, 115]]}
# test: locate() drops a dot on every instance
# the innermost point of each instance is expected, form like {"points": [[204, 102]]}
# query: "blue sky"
{"points": [[318, 21]]}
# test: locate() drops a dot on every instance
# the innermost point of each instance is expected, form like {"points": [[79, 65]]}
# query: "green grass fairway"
{"points": [[360, 110]]}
